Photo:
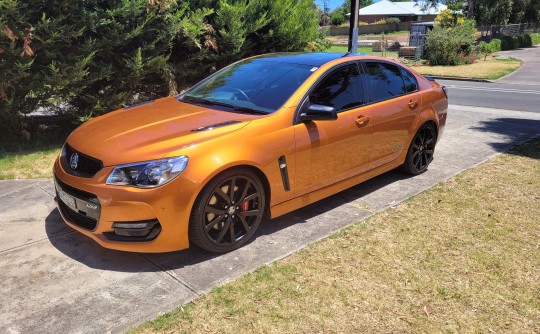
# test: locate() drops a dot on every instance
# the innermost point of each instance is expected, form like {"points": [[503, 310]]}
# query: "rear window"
{"points": [[385, 81]]}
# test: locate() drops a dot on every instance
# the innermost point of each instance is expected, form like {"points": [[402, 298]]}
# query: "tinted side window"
{"points": [[410, 81], [342, 89], [384, 80]]}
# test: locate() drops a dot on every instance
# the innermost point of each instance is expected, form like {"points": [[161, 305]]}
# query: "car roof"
{"points": [[312, 58]]}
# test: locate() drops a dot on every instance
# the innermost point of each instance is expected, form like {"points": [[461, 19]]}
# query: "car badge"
{"points": [[74, 161]]}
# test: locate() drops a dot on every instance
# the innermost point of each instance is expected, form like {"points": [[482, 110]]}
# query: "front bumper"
{"points": [[91, 207]]}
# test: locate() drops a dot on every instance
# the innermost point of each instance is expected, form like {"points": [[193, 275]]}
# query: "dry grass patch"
{"points": [[462, 257], [492, 68]]}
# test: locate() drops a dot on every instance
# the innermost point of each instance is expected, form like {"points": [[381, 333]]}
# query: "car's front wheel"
{"points": [[420, 153], [228, 211]]}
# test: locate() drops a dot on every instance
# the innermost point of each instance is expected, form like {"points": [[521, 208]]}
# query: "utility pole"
{"points": [[353, 26], [326, 9]]}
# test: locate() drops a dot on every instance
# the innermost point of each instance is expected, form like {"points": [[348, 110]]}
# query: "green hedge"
{"points": [[517, 41], [535, 37], [84, 59]]}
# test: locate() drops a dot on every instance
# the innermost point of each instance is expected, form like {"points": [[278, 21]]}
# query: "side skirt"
{"points": [[296, 203]]}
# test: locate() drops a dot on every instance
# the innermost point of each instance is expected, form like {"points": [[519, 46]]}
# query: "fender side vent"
{"points": [[284, 172], [214, 126]]}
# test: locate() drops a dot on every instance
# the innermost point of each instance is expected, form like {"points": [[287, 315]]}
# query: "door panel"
{"points": [[330, 151], [392, 123], [395, 104]]}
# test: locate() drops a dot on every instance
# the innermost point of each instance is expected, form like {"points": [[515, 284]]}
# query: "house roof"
{"points": [[411, 8]]}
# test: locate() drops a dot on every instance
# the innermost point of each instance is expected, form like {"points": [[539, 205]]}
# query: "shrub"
{"points": [[508, 43], [451, 46], [535, 38], [392, 20], [383, 21], [527, 41], [517, 41], [89, 59], [495, 44], [445, 19], [337, 19]]}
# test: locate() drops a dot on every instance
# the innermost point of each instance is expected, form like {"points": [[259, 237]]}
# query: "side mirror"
{"points": [[317, 112]]}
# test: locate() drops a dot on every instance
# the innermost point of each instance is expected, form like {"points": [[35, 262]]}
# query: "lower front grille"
{"points": [[76, 218]]}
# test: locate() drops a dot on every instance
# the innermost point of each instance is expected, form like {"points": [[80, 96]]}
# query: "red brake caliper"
{"points": [[244, 206]]}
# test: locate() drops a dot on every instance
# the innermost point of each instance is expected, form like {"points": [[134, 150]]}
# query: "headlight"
{"points": [[147, 174]]}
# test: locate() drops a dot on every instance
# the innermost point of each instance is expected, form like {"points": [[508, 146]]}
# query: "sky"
{"points": [[332, 4]]}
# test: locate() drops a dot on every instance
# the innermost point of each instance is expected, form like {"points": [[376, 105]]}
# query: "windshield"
{"points": [[256, 85]]}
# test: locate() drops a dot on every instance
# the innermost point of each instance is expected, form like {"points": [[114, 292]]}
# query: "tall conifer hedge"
{"points": [[88, 57]]}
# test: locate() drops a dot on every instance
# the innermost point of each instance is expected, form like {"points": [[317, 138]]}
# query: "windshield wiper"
{"points": [[241, 109]]}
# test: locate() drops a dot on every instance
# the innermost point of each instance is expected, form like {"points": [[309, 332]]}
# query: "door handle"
{"points": [[362, 121], [413, 104]]}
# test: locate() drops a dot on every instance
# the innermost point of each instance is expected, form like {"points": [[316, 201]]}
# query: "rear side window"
{"points": [[342, 89], [385, 81], [410, 82]]}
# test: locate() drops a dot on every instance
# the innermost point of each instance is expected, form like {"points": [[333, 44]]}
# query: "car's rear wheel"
{"points": [[227, 212], [420, 153]]}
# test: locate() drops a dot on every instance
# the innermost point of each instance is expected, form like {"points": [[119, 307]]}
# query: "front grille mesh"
{"points": [[86, 167]]}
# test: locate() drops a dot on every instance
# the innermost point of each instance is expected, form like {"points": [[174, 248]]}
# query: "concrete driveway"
{"points": [[55, 280]]}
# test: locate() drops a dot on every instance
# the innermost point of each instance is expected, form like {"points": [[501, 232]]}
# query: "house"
{"points": [[405, 11]]}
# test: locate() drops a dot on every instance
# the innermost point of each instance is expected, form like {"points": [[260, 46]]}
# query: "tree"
{"points": [[92, 57], [495, 12], [346, 7]]}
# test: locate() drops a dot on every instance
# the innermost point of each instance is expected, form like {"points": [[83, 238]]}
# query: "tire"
{"points": [[420, 153], [227, 212]]}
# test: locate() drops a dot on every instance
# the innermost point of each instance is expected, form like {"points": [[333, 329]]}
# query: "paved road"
{"points": [[517, 91], [55, 280], [494, 95]]}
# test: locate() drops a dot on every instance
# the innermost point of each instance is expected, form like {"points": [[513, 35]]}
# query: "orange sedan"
{"points": [[263, 136]]}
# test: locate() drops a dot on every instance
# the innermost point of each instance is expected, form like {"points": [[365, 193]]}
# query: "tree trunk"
{"points": [[470, 9]]}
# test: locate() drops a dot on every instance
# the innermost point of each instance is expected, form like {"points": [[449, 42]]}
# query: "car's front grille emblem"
{"points": [[74, 161]]}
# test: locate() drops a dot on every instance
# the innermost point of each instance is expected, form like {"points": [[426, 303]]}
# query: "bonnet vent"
{"points": [[214, 126]]}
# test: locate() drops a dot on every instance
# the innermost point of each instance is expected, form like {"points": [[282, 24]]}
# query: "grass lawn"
{"points": [[366, 50], [492, 68], [28, 164], [461, 257], [31, 159]]}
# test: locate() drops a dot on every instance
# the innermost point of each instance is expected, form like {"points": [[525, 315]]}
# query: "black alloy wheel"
{"points": [[227, 212], [421, 151]]}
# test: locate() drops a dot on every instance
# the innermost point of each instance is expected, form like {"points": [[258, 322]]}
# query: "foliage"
{"points": [[393, 20], [452, 45], [496, 44], [487, 49], [346, 7], [337, 18], [445, 19], [382, 21], [494, 12], [87, 59], [516, 41], [535, 38]]}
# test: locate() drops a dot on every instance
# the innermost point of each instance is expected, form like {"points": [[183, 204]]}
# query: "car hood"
{"points": [[152, 130]]}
